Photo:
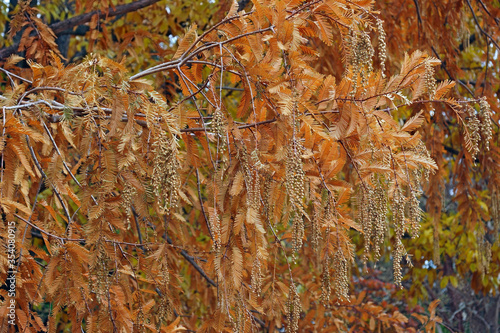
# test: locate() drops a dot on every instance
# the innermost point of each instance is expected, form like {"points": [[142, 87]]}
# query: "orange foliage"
{"points": [[224, 186]]}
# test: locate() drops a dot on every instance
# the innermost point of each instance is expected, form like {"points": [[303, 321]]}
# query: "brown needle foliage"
{"points": [[211, 212]]}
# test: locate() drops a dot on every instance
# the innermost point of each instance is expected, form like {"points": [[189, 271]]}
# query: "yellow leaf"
{"points": [[373, 324], [454, 281], [444, 282]]}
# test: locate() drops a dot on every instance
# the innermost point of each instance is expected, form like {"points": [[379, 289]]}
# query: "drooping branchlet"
{"points": [[240, 317], [215, 227], [473, 131], [340, 267], [483, 251], [316, 229], [430, 81], [257, 276], [165, 307], [359, 57], [295, 175], [326, 287], [219, 127], [486, 127], [372, 207], [397, 257], [414, 213], [422, 150], [128, 194], [295, 187], [398, 217], [100, 279], [495, 212], [382, 48], [297, 231], [165, 178], [293, 309], [251, 164]]}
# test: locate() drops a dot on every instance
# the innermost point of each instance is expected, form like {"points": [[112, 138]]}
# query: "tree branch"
{"points": [[62, 27], [201, 203], [138, 227], [48, 233], [481, 29], [194, 264]]}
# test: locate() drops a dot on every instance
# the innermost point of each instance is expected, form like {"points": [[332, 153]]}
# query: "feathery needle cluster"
{"points": [[397, 257]]}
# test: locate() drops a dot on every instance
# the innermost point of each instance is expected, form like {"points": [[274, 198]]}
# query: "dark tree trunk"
{"points": [[64, 39]]}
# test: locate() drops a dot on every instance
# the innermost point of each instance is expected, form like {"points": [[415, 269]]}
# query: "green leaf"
{"points": [[454, 281]]}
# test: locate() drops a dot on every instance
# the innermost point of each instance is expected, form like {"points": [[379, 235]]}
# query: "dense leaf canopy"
{"points": [[259, 166]]}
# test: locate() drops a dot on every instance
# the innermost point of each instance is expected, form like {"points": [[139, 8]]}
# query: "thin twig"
{"points": [[449, 74], [481, 29], [56, 192], [59, 153], [62, 239], [353, 164], [194, 264], [201, 204], [137, 227], [199, 113], [9, 74]]}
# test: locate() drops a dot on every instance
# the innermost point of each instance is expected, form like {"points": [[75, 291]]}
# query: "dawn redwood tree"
{"points": [[226, 181]]}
